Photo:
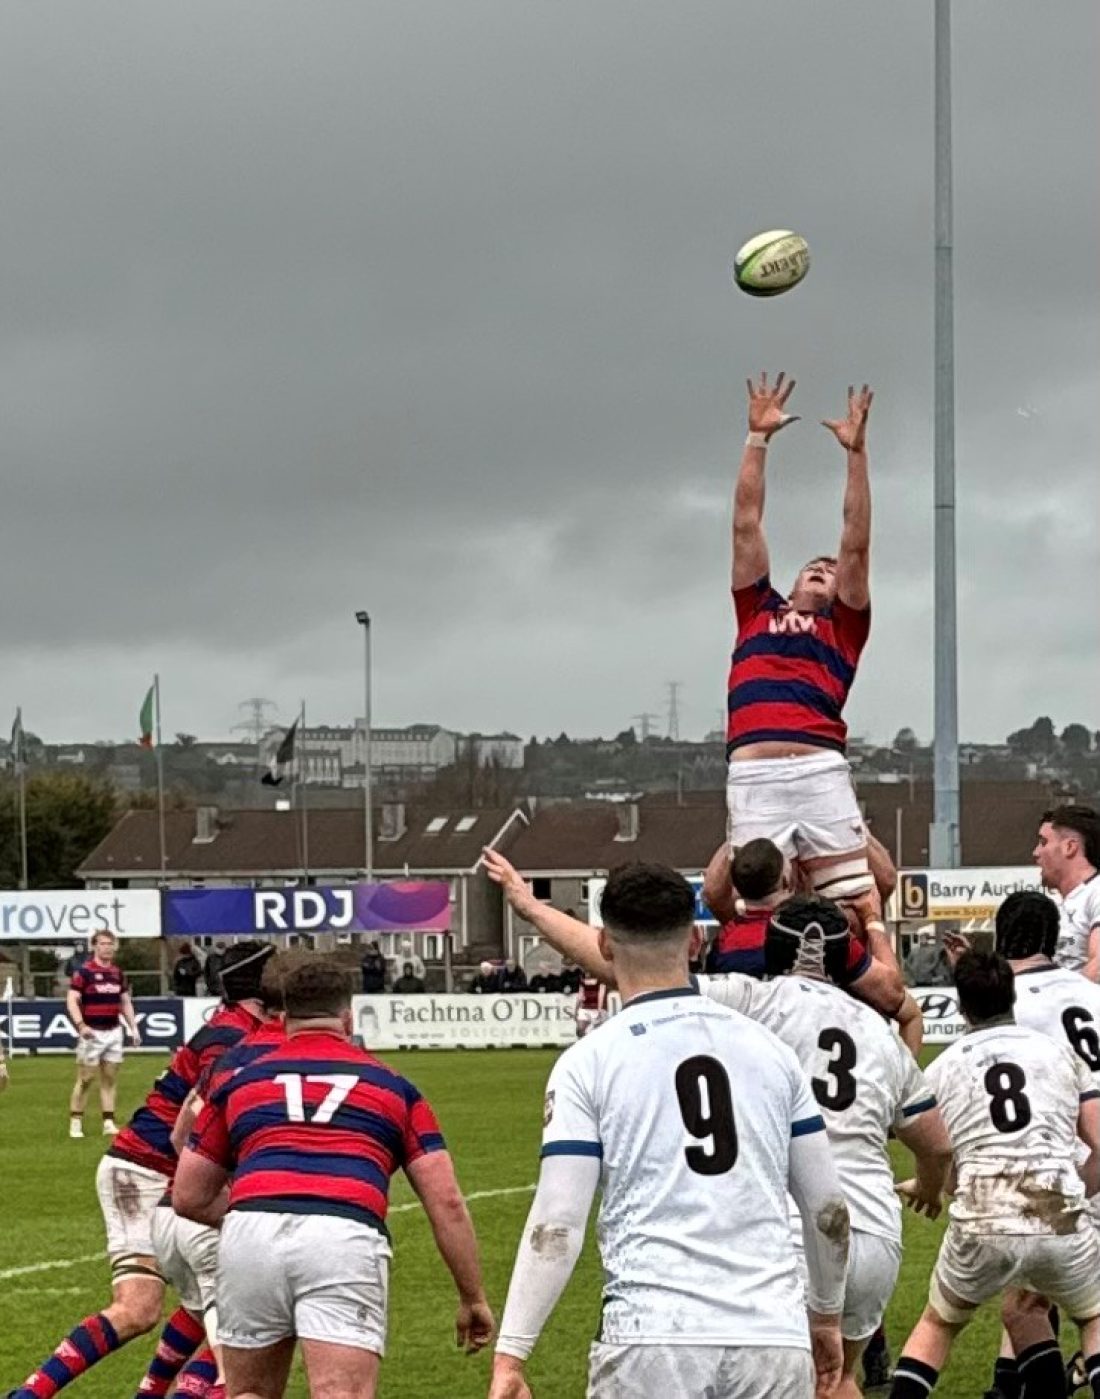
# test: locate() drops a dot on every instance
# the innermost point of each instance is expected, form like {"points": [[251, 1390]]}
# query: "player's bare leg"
{"points": [[340, 1372], [261, 1373], [108, 1093], [925, 1352], [78, 1099]]}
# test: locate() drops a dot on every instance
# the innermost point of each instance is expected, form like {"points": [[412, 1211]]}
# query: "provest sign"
{"points": [[404, 906], [45, 1025], [73, 915], [940, 895]]}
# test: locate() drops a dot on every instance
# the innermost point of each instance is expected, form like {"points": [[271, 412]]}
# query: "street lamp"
{"points": [[363, 618]]}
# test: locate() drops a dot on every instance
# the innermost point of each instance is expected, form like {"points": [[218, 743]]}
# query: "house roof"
{"points": [[250, 843]]}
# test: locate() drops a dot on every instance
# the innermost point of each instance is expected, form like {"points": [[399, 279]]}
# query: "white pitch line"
{"points": [[47, 1267]]}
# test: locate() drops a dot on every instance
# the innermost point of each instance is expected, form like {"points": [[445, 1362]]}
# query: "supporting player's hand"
{"points": [[929, 1205], [508, 1379], [473, 1326], [513, 885], [851, 432], [767, 404], [828, 1353]]}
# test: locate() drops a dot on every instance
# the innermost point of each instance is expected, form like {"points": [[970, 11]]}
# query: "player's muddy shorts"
{"points": [[104, 1047], [187, 1255], [807, 807], [128, 1196], [975, 1267], [873, 1265], [314, 1276], [689, 1372]]}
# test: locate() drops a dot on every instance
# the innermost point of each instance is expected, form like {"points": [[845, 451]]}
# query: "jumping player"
{"points": [[99, 1005], [793, 665]]}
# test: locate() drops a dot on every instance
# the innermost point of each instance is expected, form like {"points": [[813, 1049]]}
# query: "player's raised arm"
{"points": [[573, 939], [767, 415], [853, 565]]}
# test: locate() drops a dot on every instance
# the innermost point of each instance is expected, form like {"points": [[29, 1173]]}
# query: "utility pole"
{"points": [[674, 687], [256, 723], [643, 723]]}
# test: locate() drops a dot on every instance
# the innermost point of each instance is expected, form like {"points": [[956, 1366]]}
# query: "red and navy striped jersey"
{"points": [[791, 671], [254, 1046], [739, 947], [316, 1126], [101, 987], [146, 1140]]}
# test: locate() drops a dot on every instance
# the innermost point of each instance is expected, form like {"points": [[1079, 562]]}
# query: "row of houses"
{"points": [[558, 846]]}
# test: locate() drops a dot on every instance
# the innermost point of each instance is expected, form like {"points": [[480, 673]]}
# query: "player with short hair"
{"points": [[868, 1087], [99, 1005], [794, 662], [1068, 854], [694, 1121], [311, 1134], [1015, 1105], [130, 1182]]}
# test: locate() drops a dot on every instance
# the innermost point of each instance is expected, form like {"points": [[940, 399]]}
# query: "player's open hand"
{"points": [[508, 1379], [768, 403], [474, 1326], [954, 945], [828, 1353], [513, 885], [931, 1206], [851, 432]]}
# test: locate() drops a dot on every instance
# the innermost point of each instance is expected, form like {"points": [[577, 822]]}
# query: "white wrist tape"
{"points": [[757, 439]]}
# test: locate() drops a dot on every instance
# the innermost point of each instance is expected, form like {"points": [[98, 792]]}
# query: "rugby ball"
{"points": [[771, 263]]}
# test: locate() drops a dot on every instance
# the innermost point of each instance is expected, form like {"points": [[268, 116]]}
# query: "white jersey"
{"points": [[1065, 1006], [1011, 1098], [692, 1110], [864, 1079], [1078, 914]]}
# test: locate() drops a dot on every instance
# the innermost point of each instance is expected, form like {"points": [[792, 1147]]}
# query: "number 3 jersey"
{"points": [[316, 1126], [864, 1080], [1011, 1098], [691, 1110]]}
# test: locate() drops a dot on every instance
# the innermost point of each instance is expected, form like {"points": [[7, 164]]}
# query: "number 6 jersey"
{"points": [[1011, 1098]]}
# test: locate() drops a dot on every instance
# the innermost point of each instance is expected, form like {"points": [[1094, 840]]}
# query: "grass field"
{"points": [[490, 1104]]}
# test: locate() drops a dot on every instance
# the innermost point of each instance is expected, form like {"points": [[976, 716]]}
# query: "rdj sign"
{"points": [[403, 906]]}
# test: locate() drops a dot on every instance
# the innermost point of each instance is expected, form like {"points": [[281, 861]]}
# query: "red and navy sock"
{"points": [[200, 1376], [83, 1347], [913, 1379], [181, 1337]]}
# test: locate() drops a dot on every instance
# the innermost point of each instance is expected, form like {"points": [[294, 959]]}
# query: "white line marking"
{"points": [[47, 1267]]}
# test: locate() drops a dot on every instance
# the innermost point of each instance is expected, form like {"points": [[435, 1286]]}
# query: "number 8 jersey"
{"points": [[1011, 1098]]}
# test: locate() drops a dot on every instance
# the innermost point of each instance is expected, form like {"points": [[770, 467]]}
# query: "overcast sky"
{"points": [[425, 308]]}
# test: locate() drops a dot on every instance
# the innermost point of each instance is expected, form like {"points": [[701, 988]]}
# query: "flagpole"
{"points": [[24, 880], [298, 770], [160, 781]]}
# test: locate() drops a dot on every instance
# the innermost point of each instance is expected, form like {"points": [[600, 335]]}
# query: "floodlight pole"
{"points": [[363, 618]]}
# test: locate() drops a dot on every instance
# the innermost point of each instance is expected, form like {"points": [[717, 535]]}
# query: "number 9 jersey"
{"points": [[1011, 1099]]}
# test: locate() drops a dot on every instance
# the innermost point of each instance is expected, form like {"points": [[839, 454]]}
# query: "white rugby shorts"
{"points": [[719, 1372], [976, 1267], [807, 805], [128, 1196], [873, 1265], [104, 1047], [314, 1276], [187, 1255]]}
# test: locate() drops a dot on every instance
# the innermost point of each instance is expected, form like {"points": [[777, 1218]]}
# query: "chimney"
{"points": [[206, 825], [627, 812], [393, 821]]}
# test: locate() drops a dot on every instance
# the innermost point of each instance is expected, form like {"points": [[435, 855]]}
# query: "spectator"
{"points": [[186, 970], [212, 971], [927, 963], [487, 980], [570, 978], [545, 980], [513, 977], [373, 968], [77, 959], [408, 983], [410, 955]]}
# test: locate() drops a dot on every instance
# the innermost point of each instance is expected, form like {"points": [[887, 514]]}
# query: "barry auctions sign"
{"points": [[72, 915], [942, 895], [398, 907]]}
